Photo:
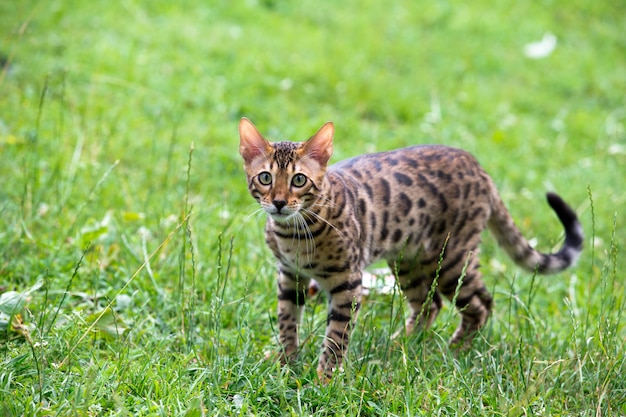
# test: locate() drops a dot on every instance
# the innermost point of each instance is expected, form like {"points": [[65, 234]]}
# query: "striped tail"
{"points": [[511, 240]]}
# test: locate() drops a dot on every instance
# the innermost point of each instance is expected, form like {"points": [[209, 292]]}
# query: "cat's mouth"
{"points": [[282, 216]]}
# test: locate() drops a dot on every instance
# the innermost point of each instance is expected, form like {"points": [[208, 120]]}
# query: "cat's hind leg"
{"points": [[424, 301], [467, 290]]}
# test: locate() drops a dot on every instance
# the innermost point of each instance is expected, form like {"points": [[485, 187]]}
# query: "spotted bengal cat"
{"points": [[420, 208]]}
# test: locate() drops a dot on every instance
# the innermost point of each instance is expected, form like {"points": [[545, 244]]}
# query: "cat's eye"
{"points": [[265, 178], [298, 180]]}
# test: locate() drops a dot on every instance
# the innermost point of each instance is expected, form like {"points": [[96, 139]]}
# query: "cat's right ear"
{"points": [[320, 145], [251, 143]]}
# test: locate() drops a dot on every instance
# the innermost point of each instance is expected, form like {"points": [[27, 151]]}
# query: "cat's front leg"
{"points": [[343, 307], [292, 293]]}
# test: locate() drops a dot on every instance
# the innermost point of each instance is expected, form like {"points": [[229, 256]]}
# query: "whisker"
{"points": [[320, 218], [323, 201], [308, 238], [256, 213], [302, 232]]}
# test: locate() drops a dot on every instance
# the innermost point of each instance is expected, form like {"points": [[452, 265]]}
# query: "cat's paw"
{"points": [[324, 375], [461, 342]]}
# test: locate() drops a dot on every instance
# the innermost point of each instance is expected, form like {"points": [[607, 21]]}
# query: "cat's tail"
{"points": [[511, 240]]}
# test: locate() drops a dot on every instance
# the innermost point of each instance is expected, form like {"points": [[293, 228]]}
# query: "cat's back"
{"points": [[415, 194], [444, 163]]}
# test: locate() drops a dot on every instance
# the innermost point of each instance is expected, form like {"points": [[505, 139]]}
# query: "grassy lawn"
{"points": [[135, 282]]}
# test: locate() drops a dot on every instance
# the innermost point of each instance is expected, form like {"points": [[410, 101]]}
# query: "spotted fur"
{"points": [[421, 208]]}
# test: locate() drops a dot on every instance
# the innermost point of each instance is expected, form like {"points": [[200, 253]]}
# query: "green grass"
{"points": [[124, 217]]}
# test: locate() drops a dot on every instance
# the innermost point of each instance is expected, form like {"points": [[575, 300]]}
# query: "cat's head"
{"points": [[284, 177]]}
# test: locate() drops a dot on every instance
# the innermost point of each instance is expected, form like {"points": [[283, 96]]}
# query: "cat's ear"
{"points": [[320, 145], [251, 143]]}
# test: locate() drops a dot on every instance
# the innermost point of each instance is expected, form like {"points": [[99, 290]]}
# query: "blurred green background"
{"points": [[119, 119]]}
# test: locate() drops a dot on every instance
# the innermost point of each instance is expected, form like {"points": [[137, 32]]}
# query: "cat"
{"points": [[421, 208]]}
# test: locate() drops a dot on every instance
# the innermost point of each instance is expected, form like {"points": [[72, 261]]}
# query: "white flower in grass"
{"points": [[238, 401], [617, 149], [542, 48]]}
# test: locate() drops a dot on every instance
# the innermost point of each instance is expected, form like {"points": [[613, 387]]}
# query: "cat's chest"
{"points": [[311, 249]]}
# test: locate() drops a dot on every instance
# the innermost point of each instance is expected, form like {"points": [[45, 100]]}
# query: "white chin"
{"points": [[282, 217]]}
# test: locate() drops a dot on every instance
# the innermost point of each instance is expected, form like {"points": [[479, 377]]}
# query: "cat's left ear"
{"points": [[320, 145], [251, 143]]}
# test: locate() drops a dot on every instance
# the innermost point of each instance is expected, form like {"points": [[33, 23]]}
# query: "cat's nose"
{"points": [[279, 204]]}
